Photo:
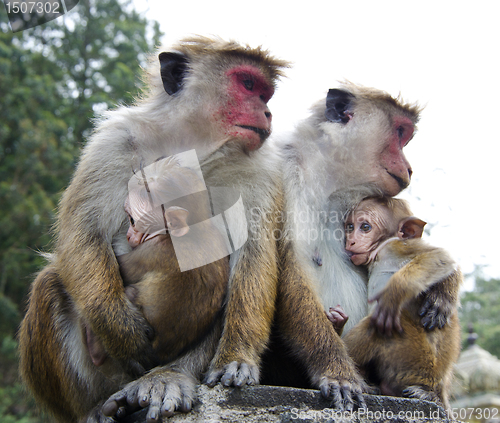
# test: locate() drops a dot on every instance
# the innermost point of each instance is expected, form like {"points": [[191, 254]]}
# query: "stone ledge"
{"points": [[290, 405]]}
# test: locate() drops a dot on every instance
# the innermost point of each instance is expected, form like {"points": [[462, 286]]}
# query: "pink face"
{"points": [[134, 237], [246, 116], [397, 169], [362, 237]]}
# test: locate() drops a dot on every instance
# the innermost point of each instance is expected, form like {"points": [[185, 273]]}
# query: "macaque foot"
{"points": [[421, 393], [96, 416], [342, 392], [163, 391], [437, 308], [233, 374]]}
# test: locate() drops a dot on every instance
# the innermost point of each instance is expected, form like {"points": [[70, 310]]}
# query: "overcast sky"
{"points": [[441, 54]]}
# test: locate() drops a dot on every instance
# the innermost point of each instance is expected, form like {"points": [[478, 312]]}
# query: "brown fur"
{"points": [[415, 362], [91, 222], [155, 282], [323, 159]]}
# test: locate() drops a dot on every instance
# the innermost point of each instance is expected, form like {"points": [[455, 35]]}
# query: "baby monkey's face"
{"points": [[362, 236]]}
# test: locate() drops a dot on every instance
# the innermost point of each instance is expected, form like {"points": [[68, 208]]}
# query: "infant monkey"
{"points": [[381, 233], [181, 306]]}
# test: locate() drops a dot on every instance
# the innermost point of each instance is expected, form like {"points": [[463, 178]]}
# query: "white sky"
{"points": [[443, 54]]}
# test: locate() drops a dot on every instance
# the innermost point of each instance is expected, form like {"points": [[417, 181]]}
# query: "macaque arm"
{"points": [[311, 335], [427, 266], [249, 311], [91, 212]]}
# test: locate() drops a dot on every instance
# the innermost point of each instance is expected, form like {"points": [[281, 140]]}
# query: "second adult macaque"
{"points": [[391, 347]]}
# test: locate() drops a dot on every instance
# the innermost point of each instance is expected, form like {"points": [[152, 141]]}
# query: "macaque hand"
{"points": [[163, 390], [338, 317], [437, 308], [233, 374], [343, 391], [387, 314]]}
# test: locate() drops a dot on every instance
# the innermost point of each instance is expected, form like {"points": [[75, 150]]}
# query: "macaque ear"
{"points": [[173, 69], [177, 221], [411, 227], [338, 106]]}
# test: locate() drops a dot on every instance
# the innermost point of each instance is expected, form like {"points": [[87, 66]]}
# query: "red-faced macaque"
{"points": [[203, 94], [350, 147], [391, 347]]}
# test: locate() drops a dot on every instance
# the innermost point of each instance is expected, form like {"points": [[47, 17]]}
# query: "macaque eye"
{"points": [[349, 227], [132, 221], [249, 84], [401, 131], [366, 227]]}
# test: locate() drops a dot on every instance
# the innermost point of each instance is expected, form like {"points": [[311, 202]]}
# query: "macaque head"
{"points": [[375, 220], [230, 85], [155, 222], [165, 196], [370, 129]]}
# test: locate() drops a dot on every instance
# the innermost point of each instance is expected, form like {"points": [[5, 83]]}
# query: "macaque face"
{"points": [[363, 235], [175, 218], [245, 115], [396, 171], [134, 237]]}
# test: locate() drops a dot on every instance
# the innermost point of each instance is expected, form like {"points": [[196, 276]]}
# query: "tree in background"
{"points": [[481, 308], [53, 78]]}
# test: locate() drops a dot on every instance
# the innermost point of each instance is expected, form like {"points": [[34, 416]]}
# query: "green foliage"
{"points": [[481, 308], [53, 78]]}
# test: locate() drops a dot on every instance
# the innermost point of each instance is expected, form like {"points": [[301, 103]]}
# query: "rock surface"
{"points": [[290, 405]]}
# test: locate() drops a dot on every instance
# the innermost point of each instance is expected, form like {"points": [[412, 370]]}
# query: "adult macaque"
{"points": [[391, 346], [350, 147], [207, 95]]}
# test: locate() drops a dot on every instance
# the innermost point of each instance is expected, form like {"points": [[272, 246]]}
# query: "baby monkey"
{"points": [[391, 347], [178, 270]]}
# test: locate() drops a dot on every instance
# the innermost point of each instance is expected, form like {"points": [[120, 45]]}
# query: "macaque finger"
{"points": [[397, 321], [229, 374], [110, 408], [360, 399], [336, 397], [120, 401], [347, 403]]}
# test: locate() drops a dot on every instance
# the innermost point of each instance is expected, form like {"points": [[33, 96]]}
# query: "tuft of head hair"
{"points": [[198, 46], [383, 99]]}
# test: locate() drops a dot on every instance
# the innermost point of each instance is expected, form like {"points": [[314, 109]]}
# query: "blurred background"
{"points": [[444, 55]]}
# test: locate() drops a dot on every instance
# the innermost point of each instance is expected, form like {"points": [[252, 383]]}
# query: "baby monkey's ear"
{"points": [[177, 221], [411, 227]]}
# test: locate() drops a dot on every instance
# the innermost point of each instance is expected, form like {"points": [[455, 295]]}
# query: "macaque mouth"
{"points": [[263, 133], [349, 253], [402, 183]]}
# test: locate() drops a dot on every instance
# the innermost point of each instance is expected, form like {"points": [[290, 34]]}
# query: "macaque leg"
{"points": [[169, 388], [412, 364], [54, 360], [361, 343]]}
